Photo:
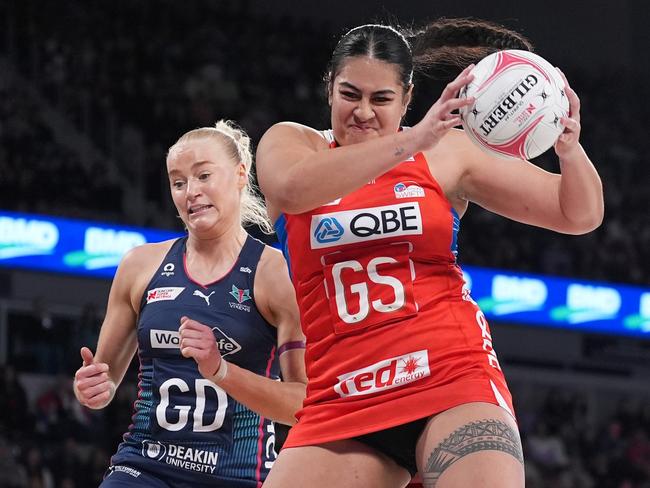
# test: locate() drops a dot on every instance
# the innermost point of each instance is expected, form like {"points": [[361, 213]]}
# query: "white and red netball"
{"points": [[520, 100]]}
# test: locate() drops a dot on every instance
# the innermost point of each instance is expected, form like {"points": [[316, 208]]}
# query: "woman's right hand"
{"points": [[198, 342], [439, 119], [92, 385]]}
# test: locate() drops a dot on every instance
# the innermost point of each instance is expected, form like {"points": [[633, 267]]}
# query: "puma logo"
{"points": [[199, 293]]}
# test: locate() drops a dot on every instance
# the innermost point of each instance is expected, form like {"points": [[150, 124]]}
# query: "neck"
{"points": [[209, 258]]}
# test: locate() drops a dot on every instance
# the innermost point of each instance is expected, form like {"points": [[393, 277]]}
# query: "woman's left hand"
{"points": [[569, 139]]}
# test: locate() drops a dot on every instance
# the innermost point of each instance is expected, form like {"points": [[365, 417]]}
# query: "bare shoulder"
{"points": [[292, 131], [274, 294], [283, 147], [272, 264], [146, 255], [272, 279], [139, 264]]}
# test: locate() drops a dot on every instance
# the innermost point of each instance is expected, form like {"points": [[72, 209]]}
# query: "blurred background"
{"points": [[93, 93]]}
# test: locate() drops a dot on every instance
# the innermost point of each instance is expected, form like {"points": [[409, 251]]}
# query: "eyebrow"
{"points": [[194, 165], [349, 85]]}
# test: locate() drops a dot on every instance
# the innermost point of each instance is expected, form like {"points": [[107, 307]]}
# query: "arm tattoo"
{"points": [[484, 435], [399, 151]]}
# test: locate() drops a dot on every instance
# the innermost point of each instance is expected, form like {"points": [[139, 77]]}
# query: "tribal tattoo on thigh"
{"points": [[484, 435]]}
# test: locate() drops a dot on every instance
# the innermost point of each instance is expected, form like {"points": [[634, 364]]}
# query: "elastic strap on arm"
{"points": [[288, 346]]}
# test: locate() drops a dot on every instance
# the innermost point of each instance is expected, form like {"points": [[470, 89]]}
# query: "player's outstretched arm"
{"points": [[96, 380]]}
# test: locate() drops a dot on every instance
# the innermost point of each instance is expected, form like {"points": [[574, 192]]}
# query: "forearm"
{"points": [[276, 400], [580, 192], [118, 353], [327, 175]]}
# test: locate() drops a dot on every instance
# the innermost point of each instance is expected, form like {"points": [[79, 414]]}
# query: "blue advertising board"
{"points": [[524, 298], [68, 246], [94, 249]]}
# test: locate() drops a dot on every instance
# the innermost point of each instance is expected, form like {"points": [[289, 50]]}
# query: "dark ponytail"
{"points": [[447, 45]]}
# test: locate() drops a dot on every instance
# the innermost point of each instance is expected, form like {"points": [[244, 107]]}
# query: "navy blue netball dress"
{"points": [[186, 431]]}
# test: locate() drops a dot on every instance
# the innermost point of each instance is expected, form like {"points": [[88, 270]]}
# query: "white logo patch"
{"points": [[168, 293], [164, 339], [408, 190], [188, 458], [170, 339], [384, 375], [365, 224]]}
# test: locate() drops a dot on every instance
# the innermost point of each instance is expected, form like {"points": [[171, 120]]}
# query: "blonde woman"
{"points": [[214, 320]]}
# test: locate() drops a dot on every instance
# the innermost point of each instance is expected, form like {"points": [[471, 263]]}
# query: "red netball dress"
{"points": [[392, 335]]}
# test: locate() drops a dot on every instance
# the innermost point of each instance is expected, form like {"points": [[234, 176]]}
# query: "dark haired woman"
{"points": [[402, 373]]}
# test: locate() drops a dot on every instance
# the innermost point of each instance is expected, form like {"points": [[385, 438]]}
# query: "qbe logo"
{"points": [[384, 375], [365, 224], [328, 230]]}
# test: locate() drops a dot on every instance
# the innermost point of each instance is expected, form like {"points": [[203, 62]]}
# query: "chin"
{"points": [[202, 223]]}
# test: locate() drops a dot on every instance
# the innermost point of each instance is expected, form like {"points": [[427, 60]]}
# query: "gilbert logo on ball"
{"points": [[520, 100]]}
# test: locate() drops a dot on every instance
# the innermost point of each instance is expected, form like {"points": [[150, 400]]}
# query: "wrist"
{"points": [[407, 139], [221, 372], [571, 154]]}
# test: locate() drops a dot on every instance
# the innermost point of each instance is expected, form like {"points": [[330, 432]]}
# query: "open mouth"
{"points": [[197, 209]]}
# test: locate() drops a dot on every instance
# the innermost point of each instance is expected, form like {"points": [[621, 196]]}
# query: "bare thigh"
{"points": [[476, 444], [343, 464]]}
